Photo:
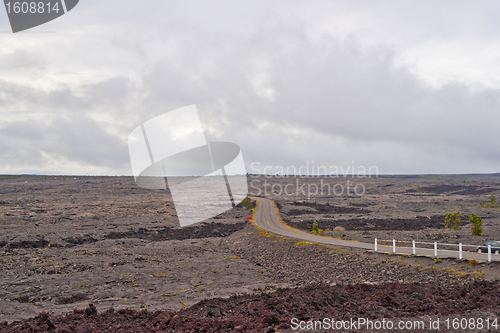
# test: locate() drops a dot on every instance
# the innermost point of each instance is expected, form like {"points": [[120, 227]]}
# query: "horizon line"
{"points": [[272, 175]]}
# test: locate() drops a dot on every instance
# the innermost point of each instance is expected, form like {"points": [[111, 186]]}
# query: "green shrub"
{"points": [[476, 223], [247, 203], [438, 260], [493, 200], [453, 220], [315, 229], [473, 262], [419, 189]]}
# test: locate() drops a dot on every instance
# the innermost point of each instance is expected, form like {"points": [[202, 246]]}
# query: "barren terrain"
{"points": [[68, 242], [391, 208]]}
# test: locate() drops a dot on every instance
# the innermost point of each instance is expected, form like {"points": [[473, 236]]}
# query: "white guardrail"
{"points": [[433, 246]]}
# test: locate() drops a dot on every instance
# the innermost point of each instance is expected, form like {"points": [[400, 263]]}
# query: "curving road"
{"points": [[266, 217]]}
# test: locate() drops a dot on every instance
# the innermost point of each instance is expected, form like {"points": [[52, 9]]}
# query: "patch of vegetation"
{"points": [[316, 230], [473, 262], [247, 203], [453, 220], [476, 225], [477, 274], [438, 260], [454, 272], [265, 233], [419, 189], [303, 243], [492, 204]]}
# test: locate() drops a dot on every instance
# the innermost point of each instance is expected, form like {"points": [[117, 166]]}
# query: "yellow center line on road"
{"points": [[270, 223], [292, 231]]}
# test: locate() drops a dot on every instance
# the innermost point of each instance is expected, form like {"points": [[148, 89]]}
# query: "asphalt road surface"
{"points": [[266, 217]]}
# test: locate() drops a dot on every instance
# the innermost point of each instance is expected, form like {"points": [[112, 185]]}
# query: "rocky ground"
{"points": [[392, 209], [66, 242], [64, 211], [119, 263], [332, 283], [273, 312]]}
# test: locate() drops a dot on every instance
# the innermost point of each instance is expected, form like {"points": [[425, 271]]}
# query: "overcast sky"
{"points": [[406, 86]]}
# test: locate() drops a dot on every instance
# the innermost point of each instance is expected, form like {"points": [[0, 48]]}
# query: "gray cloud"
{"points": [[40, 127], [332, 89], [283, 91], [78, 139]]}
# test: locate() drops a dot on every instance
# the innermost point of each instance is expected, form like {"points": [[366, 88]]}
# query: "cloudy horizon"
{"points": [[411, 88]]}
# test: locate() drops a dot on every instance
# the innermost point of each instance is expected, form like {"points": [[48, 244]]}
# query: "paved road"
{"points": [[266, 218]]}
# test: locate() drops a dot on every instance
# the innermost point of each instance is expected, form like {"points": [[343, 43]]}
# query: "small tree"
{"points": [[476, 222], [453, 220], [493, 200], [419, 189], [247, 203], [315, 228]]}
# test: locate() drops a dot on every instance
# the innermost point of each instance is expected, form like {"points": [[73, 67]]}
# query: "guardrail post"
{"points": [[435, 249], [413, 245], [394, 245], [489, 253], [375, 245], [460, 251]]}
